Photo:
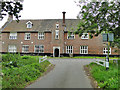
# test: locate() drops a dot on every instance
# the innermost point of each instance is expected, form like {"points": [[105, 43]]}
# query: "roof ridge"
{"points": [[43, 19]]}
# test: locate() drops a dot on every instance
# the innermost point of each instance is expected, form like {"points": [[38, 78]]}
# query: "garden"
{"points": [[19, 71]]}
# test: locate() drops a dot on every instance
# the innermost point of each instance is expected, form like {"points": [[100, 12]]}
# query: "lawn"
{"points": [[86, 57], [20, 71], [105, 78]]}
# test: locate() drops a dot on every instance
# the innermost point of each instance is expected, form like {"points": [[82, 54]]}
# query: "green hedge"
{"points": [[19, 71]]}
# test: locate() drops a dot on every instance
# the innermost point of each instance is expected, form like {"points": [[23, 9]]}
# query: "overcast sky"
{"points": [[48, 9]]}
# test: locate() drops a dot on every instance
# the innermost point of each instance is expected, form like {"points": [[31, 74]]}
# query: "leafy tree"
{"points": [[100, 17], [12, 8]]}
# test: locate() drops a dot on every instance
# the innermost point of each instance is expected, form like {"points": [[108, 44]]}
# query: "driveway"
{"points": [[68, 73]]}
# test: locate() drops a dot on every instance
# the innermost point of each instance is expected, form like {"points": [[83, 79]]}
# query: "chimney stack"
{"points": [[63, 17]]}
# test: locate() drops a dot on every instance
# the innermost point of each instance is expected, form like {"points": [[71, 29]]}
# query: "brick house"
{"points": [[50, 37]]}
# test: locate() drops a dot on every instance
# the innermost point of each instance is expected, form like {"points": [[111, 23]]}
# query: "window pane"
{"points": [[13, 36], [12, 48], [40, 35], [70, 36], [27, 36], [39, 48], [25, 49], [83, 49]]}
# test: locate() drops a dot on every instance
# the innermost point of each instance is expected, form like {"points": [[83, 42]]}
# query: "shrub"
{"points": [[27, 70], [25, 57], [38, 67], [11, 57]]}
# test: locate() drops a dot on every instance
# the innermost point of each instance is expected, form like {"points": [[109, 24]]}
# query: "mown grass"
{"points": [[106, 79], [86, 57], [21, 70]]}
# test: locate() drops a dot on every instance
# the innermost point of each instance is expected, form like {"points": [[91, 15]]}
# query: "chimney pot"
{"points": [[63, 17]]}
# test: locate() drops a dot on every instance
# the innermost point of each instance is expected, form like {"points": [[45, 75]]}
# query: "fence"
{"points": [[100, 62], [42, 59], [103, 62]]}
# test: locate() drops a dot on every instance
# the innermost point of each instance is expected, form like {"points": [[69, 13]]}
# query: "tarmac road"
{"points": [[68, 73]]}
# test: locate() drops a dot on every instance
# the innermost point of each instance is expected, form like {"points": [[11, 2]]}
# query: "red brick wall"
{"points": [[95, 45], [20, 38]]}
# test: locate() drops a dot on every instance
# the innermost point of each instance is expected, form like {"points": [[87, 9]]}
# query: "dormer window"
{"points": [[57, 26], [29, 24]]}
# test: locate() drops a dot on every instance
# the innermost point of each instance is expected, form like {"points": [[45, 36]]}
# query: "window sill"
{"points": [[83, 53], [11, 52], [12, 39], [84, 38], [41, 39], [25, 52], [27, 39], [70, 39]]}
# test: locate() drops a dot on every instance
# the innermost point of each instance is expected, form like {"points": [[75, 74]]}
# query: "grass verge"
{"points": [[105, 79], [85, 57]]}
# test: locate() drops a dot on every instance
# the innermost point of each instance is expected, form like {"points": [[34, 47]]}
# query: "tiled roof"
{"points": [[41, 25]]}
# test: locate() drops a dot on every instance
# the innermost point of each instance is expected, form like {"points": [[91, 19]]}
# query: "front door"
{"points": [[56, 51]]}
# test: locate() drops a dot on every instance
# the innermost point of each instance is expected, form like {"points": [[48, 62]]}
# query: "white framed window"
{"points": [[70, 36], [29, 24], [27, 36], [25, 48], [13, 36], [12, 48], [57, 26], [105, 50], [83, 49], [85, 36], [69, 49], [56, 34], [39, 49], [41, 35]]}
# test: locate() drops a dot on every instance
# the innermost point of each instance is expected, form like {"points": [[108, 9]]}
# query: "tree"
{"points": [[100, 17], [12, 8]]}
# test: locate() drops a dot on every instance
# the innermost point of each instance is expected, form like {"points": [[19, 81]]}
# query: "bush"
{"points": [[38, 67], [11, 57], [28, 69], [25, 57]]}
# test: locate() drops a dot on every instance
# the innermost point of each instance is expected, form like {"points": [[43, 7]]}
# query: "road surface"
{"points": [[68, 73]]}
